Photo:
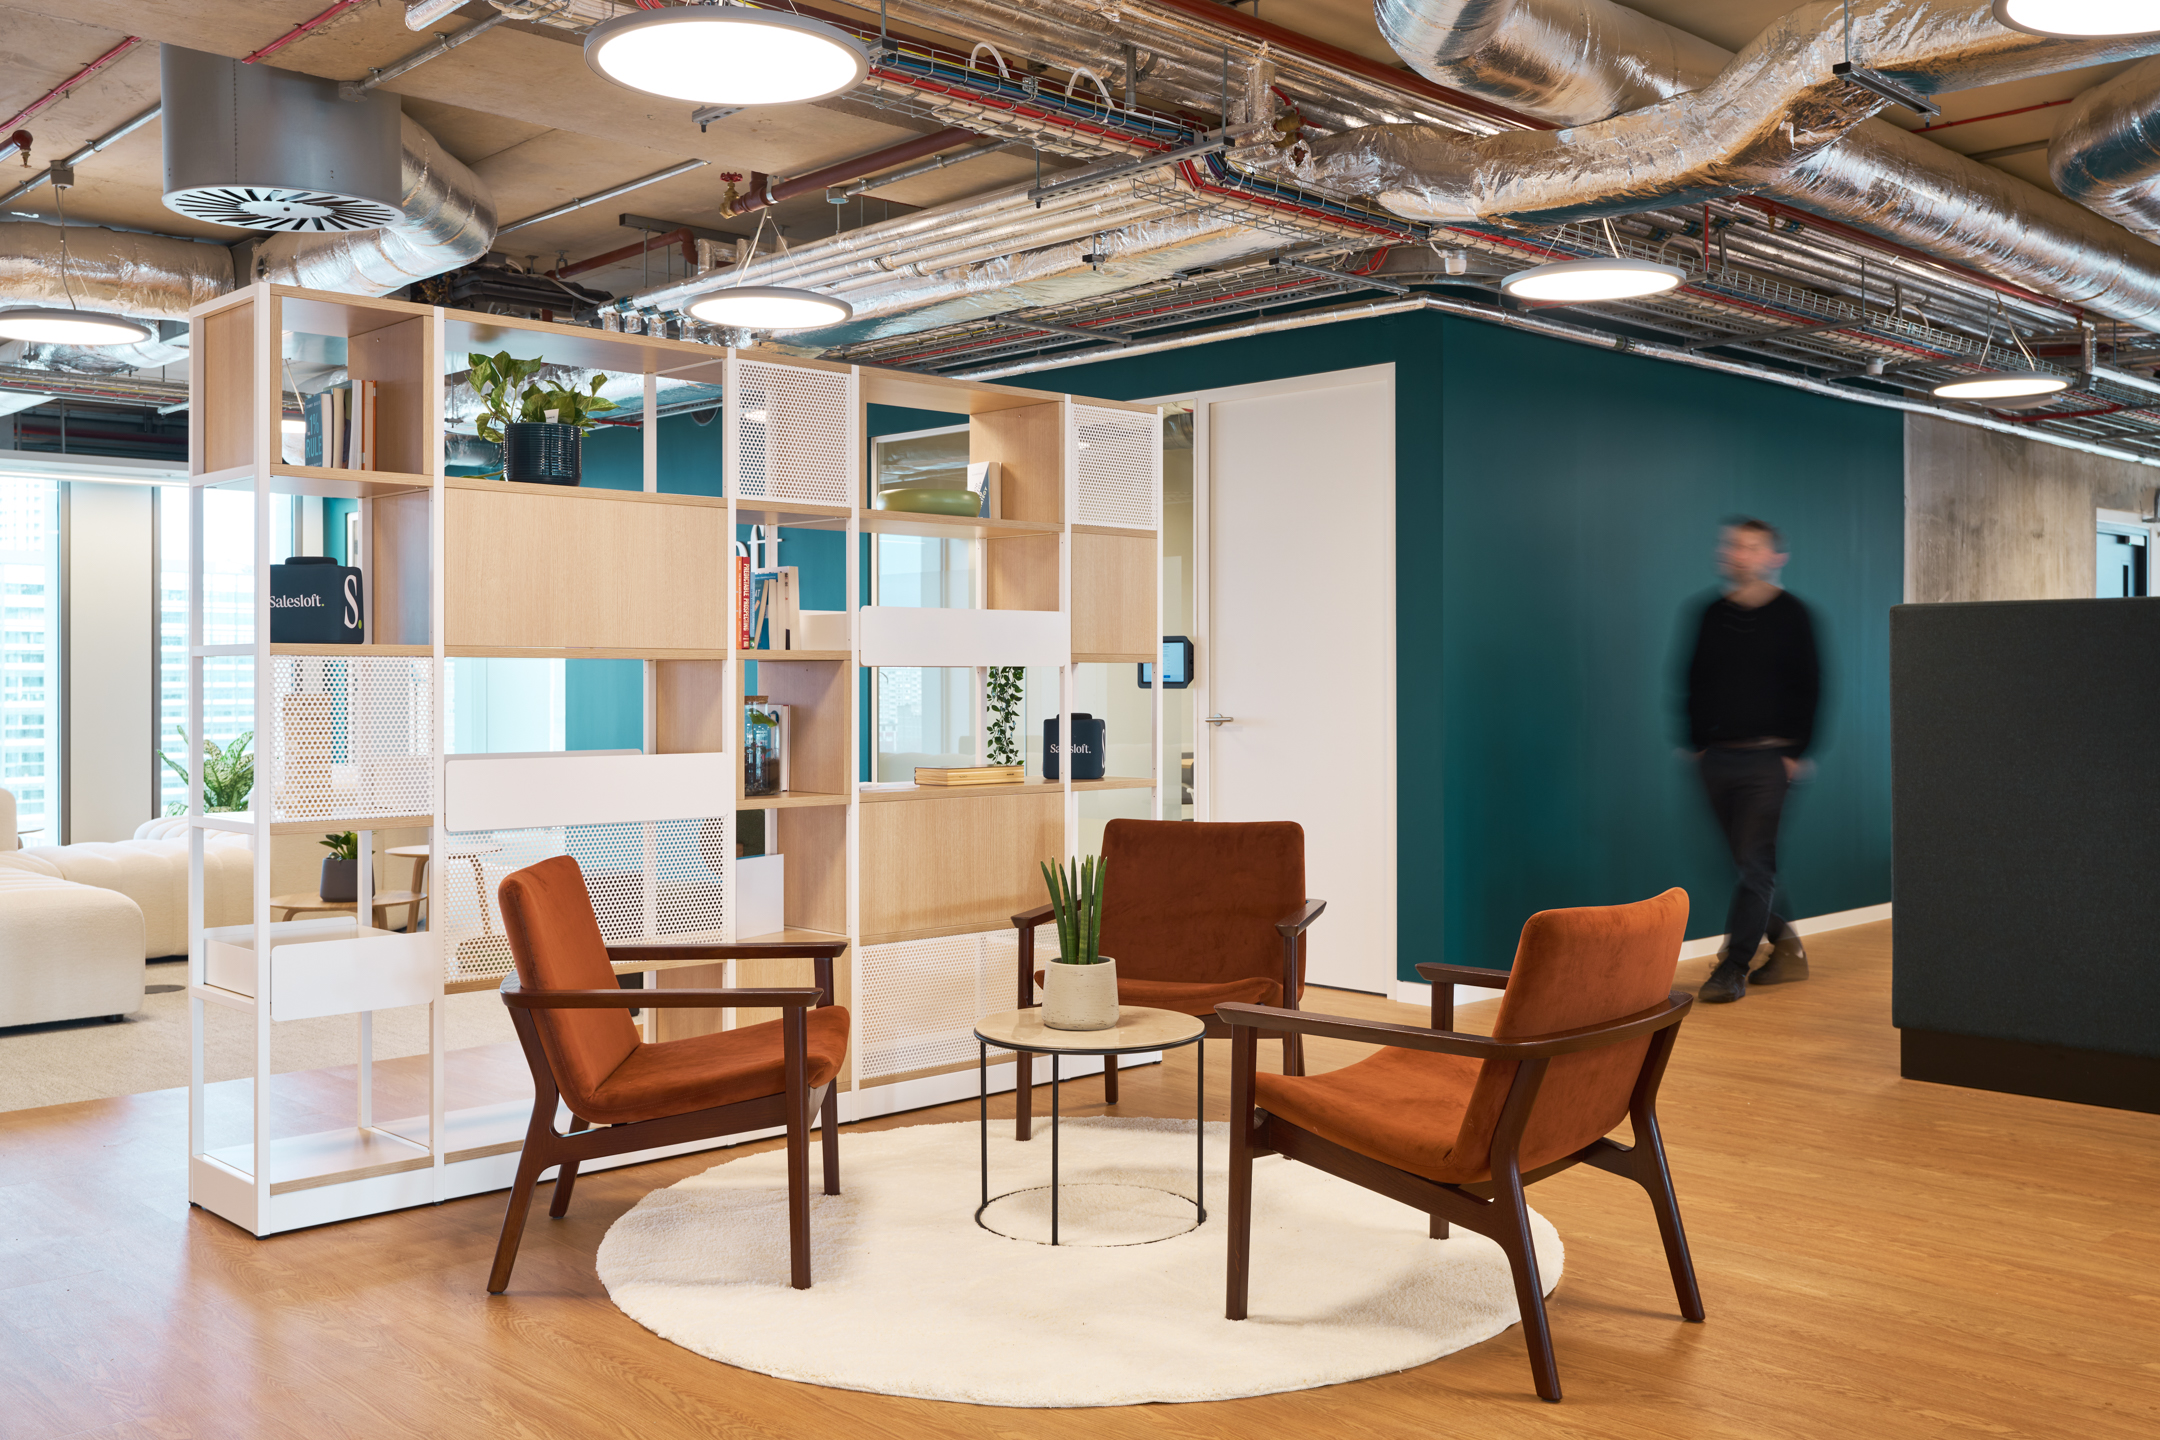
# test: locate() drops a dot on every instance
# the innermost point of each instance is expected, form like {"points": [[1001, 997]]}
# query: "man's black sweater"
{"points": [[1754, 675]]}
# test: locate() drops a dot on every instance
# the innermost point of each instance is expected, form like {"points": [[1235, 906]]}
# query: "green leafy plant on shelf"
{"points": [[228, 776], [1003, 692], [342, 847], [509, 396], [1076, 892]]}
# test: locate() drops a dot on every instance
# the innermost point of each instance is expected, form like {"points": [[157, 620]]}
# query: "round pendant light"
{"points": [[769, 307], [2079, 19], [1579, 282], [726, 55], [43, 325], [2002, 385]]}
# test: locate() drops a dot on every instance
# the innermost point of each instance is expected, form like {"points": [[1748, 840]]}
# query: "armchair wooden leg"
{"points": [[1109, 1079], [829, 1134], [566, 1175], [1023, 1094], [1514, 1238], [1656, 1179], [798, 1197], [530, 1164], [1438, 1230], [1293, 1055], [1243, 1044]]}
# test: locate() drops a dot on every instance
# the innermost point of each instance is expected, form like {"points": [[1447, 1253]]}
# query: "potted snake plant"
{"points": [[540, 427], [1080, 985]]}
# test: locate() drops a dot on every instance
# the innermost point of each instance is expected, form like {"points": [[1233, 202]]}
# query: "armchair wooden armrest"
{"points": [[823, 952], [1450, 1042], [1292, 926], [1025, 922], [1444, 979], [791, 998]]}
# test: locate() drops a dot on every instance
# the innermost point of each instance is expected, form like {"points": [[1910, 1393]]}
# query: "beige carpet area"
{"points": [[910, 1296], [96, 1060]]}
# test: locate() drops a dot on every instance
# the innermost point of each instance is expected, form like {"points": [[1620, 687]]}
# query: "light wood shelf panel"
{"points": [[581, 652], [1020, 572], [471, 1132], [821, 700], [817, 877], [1116, 782], [590, 493], [545, 567], [973, 860], [784, 657], [1115, 532], [793, 935], [465, 332], [1130, 657], [326, 312], [221, 370], [286, 648], [329, 824], [1008, 790], [1113, 594], [943, 393], [789, 800], [950, 527], [1028, 444], [792, 514], [339, 484], [689, 717]]}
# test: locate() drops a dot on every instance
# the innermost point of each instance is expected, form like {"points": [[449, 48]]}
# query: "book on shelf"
{"points": [[776, 609], [360, 450], [333, 432], [743, 631], [952, 775]]}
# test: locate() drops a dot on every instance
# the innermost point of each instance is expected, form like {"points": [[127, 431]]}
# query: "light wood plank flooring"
{"points": [[1880, 1259]]}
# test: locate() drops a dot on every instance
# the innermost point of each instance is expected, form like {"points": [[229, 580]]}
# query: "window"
{"points": [[228, 619], [922, 716], [29, 688]]}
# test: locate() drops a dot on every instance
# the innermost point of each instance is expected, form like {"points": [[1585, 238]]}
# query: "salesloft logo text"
{"points": [[296, 602]]}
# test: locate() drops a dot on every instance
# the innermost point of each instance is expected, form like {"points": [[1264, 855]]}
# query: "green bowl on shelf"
{"points": [[930, 500]]}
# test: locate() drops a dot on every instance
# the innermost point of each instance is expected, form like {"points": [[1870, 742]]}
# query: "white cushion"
{"points": [[67, 951]]}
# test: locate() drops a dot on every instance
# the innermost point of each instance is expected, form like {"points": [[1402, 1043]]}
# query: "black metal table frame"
{"points": [[982, 1071]]}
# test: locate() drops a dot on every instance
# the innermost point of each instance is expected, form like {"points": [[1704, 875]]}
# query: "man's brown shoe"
{"points": [[1787, 962]]}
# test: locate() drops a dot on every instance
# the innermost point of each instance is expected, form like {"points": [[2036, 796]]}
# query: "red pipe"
{"points": [[1998, 115], [299, 30], [771, 193], [1861, 237], [59, 92], [632, 252]]}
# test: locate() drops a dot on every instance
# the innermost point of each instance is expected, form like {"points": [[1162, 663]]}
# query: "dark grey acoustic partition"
{"points": [[2025, 751]]}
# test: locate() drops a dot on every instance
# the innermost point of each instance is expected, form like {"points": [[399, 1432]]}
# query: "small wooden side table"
{"points": [[1138, 1030]]}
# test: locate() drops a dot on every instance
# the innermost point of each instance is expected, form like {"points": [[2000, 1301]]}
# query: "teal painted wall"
{"points": [[1556, 508]]}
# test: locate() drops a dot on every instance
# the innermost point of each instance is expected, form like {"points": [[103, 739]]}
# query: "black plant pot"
{"points": [[340, 880], [541, 454]]}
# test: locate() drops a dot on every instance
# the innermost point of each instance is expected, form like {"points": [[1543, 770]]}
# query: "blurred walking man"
{"points": [[1753, 684]]}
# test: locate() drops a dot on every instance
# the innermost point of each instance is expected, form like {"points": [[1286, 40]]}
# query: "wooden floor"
{"points": [[1880, 1258]]}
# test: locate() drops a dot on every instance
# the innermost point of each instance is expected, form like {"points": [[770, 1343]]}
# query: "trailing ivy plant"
{"points": [[1076, 904], [228, 776], [1004, 692]]}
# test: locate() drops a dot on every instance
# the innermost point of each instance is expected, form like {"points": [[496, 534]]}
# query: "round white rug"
{"points": [[913, 1297]]}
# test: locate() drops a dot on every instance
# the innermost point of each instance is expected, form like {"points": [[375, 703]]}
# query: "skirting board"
{"points": [[2020, 1067], [1411, 992]]}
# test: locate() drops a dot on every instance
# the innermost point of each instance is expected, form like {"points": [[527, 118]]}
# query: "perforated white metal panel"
{"points": [[1120, 467], [919, 999], [654, 880], [354, 736], [795, 434]]}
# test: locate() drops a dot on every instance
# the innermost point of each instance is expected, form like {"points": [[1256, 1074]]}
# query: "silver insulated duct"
{"points": [[2106, 152], [271, 149]]}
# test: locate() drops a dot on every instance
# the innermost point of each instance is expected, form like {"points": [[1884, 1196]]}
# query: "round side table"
{"points": [[1138, 1029]]}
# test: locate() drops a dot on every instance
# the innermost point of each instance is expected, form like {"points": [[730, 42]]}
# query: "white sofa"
{"points": [[77, 921]]}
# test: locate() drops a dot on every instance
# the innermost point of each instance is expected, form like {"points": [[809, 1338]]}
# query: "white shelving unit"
{"points": [[353, 737]]}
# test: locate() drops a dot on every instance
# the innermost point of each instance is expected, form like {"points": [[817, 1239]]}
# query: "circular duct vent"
{"points": [[269, 149], [263, 207]]}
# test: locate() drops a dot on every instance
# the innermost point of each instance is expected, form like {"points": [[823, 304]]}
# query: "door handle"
{"points": [[1221, 719]]}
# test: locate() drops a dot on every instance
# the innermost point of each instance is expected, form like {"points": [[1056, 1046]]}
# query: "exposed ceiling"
{"points": [[522, 110]]}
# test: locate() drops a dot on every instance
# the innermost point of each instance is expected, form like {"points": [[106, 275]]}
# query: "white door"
{"points": [[1300, 643]]}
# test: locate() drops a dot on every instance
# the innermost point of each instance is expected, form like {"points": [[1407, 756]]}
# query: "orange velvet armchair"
{"points": [[574, 1023], [1195, 914], [1456, 1125]]}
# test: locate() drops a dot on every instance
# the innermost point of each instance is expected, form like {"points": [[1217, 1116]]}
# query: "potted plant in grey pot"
{"points": [[541, 428], [1080, 985], [341, 869]]}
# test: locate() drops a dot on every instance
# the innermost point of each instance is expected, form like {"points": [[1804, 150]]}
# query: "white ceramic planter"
{"points": [[1080, 997]]}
